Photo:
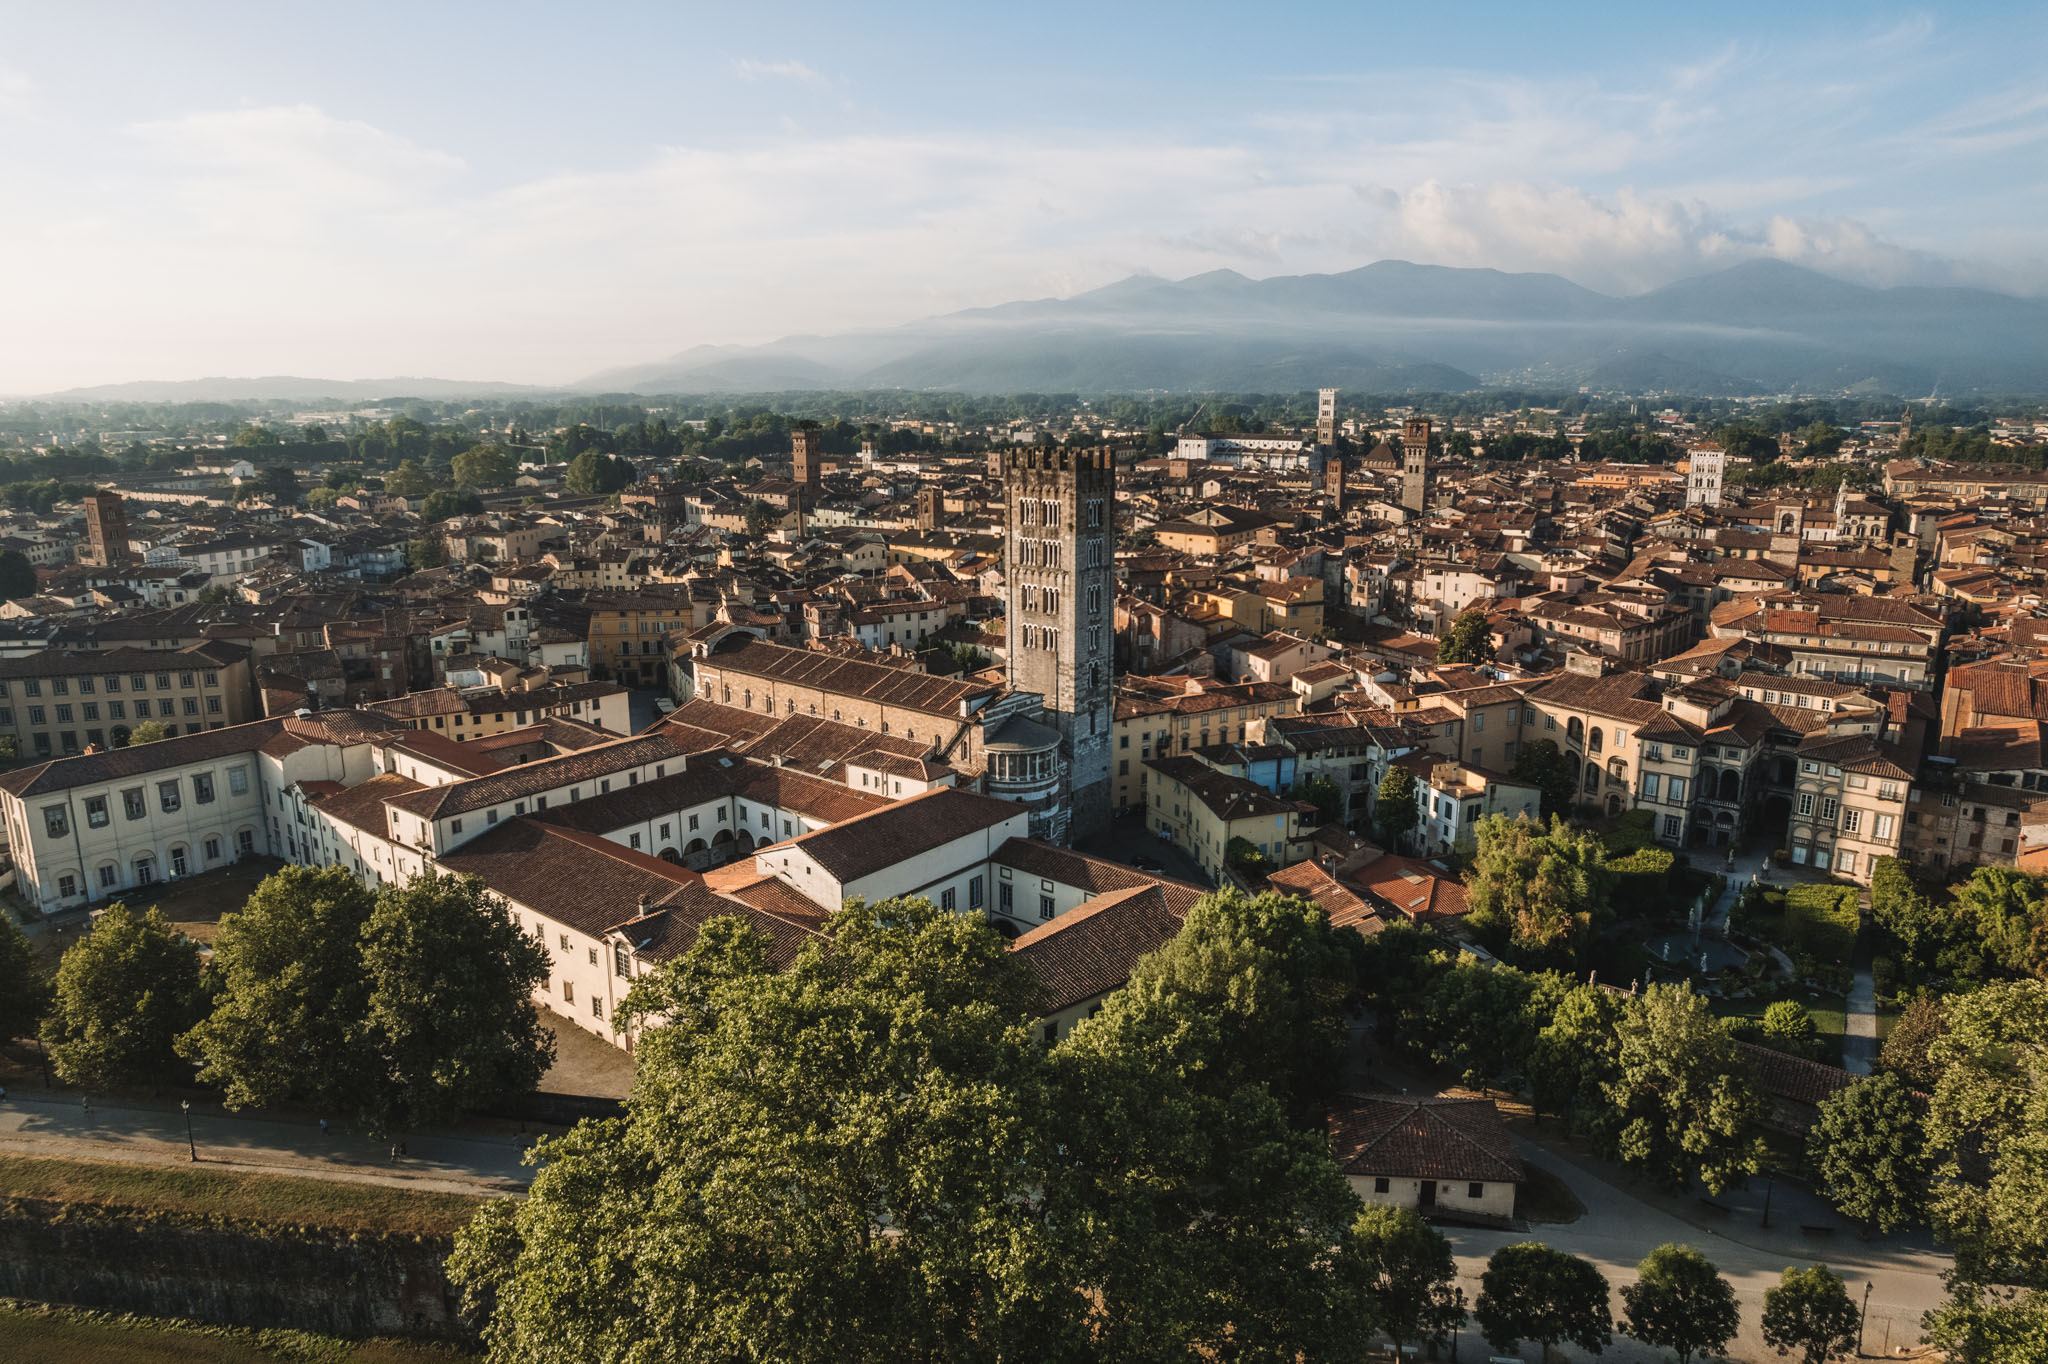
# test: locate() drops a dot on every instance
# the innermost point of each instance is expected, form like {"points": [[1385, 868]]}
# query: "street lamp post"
{"points": [[1862, 1313], [1770, 1186], [190, 1145]]}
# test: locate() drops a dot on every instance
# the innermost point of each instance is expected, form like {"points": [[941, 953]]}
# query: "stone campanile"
{"points": [[1059, 568], [1415, 464]]}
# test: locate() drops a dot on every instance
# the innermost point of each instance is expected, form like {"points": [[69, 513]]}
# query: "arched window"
{"points": [[145, 870], [1593, 739], [181, 862], [1573, 730]]}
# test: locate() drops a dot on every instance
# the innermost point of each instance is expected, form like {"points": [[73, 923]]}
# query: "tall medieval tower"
{"points": [[1061, 598], [1415, 464]]}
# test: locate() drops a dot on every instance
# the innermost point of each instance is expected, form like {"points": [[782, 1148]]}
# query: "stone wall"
{"points": [[317, 1280]]}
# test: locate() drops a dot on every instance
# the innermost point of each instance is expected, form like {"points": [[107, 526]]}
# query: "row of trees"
{"points": [[1994, 926], [400, 1008]]}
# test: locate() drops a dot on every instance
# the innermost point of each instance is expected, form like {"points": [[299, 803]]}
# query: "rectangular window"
{"points": [[1475, 1191], [1806, 803], [38, 716], [92, 710], [693, 822], [64, 715], [946, 898], [213, 705], [167, 797], [96, 816], [112, 682], [245, 841], [636, 842], [1045, 907], [213, 850], [1381, 1184], [117, 710], [974, 892], [1884, 827], [1828, 806], [131, 803], [1650, 784], [109, 875], [568, 992], [1006, 900], [202, 788], [1676, 791], [67, 886], [56, 820], [1852, 821], [1672, 826], [238, 781]]}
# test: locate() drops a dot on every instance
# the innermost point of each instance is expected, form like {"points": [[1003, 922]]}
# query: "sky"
{"points": [[533, 192]]}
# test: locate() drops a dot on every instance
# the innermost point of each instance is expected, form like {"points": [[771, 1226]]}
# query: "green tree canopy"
{"points": [[1469, 640], [17, 575], [408, 480], [1405, 1270], [449, 1021], [24, 987], [279, 483], [1394, 808], [1539, 890], [1680, 1302], [443, 503], [1810, 1314], [1481, 1023], [1989, 1124], [594, 473], [484, 465], [1869, 1154], [1532, 1292], [2010, 911], [256, 438], [425, 552], [1576, 1056], [762, 518], [149, 732], [1682, 1102], [1788, 1027], [1541, 764], [1991, 1326], [1906, 1048], [1324, 794], [125, 992], [292, 994]]}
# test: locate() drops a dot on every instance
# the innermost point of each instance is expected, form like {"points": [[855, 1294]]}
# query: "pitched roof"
{"points": [[901, 830], [1418, 1138], [851, 677], [1092, 949]]}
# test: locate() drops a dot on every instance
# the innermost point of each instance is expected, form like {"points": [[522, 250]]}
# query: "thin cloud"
{"points": [[748, 69]]}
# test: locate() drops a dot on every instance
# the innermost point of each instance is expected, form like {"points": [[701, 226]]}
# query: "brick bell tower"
{"points": [[1060, 575]]}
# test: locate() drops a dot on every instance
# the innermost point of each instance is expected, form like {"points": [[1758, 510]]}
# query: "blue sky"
{"points": [[532, 192]]}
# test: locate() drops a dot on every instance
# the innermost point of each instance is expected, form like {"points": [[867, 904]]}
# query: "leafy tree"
{"points": [[124, 994], [1788, 1027], [256, 438], [1532, 1292], [1479, 1023], [216, 595], [1991, 1326], [1906, 1048], [1538, 889], [1920, 931], [594, 473], [408, 480], [425, 552], [1989, 1123], [1682, 1103], [1324, 794], [449, 1021], [1576, 1056], [484, 465], [292, 992], [443, 503], [1394, 809], [1680, 1302], [816, 1148], [279, 483], [1541, 764], [1244, 857], [1469, 640], [1810, 1312], [1869, 1155], [149, 732], [17, 575], [1406, 1271], [24, 988], [2010, 911], [762, 518]]}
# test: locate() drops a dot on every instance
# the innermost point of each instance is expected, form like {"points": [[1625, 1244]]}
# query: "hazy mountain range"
{"points": [[1390, 327]]}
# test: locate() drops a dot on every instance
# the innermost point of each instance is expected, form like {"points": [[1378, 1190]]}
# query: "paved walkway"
{"points": [[1621, 1226], [1859, 1029], [480, 1159]]}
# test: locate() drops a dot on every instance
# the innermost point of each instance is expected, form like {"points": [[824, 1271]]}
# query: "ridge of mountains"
{"points": [[1396, 327], [1762, 327]]}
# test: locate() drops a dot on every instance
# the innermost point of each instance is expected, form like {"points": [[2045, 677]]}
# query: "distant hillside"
{"points": [[1761, 327], [279, 388]]}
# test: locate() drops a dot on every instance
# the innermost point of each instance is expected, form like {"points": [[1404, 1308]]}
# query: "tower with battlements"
{"points": [[1415, 464], [1059, 571]]}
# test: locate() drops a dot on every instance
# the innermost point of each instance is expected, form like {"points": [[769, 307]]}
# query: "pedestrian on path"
{"points": [[323, 1127]]}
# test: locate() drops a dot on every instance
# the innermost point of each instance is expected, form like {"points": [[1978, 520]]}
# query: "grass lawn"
{"points": [[271, 1200], [34, 1334], [1544, 1197], [1830, 1015]]}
